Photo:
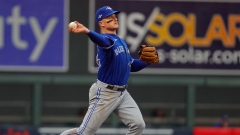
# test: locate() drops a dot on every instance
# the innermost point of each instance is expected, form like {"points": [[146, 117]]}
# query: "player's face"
{"points": [[110, 22]]}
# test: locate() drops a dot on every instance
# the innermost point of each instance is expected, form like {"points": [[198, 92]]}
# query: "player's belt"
{"points": [[112, 87], [116, 88]]}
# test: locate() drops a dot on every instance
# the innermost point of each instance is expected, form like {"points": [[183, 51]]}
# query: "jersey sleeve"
{"points": [[138, 65], [100, 40]]}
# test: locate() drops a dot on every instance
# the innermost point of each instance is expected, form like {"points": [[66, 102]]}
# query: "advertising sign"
{"points": [[191, 37], [33, 35]]}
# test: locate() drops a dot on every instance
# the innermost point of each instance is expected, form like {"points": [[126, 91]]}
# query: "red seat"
{"points": [[212, 131], [236, 131]]}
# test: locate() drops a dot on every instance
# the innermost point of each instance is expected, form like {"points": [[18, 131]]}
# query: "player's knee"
{"points": [[140, 124]]}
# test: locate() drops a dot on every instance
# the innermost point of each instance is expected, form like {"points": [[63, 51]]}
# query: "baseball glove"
{"points": [[148, 54]]}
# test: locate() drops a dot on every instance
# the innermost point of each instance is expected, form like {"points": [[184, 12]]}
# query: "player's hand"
{"points": [[80, 28]]}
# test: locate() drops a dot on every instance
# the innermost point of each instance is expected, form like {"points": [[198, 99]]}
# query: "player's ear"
{"points": [[101, 24]]}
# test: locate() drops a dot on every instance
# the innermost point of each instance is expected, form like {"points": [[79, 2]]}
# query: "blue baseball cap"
{"points": [[104, 12]]}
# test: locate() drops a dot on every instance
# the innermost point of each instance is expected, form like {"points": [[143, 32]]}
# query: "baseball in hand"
{"points": [[72, 25]]}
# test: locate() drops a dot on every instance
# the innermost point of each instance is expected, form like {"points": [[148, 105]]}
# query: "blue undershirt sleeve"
{"points": [[138, 65], [99, 39]]}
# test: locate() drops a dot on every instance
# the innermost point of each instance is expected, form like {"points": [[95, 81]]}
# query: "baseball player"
{"points": [[109, 94]]}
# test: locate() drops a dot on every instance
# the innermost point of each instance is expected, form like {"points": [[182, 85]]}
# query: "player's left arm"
{"points": [[138, 65]]}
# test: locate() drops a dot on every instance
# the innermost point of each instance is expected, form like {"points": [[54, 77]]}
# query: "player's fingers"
{"points": [[70, 29], [76, 30], [78, 24]]}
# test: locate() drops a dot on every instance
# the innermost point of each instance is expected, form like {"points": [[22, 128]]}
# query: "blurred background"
{"points": [[46, 72]]}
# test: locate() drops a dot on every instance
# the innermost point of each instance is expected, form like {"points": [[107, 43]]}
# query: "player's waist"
{"points": [[112, 87]]}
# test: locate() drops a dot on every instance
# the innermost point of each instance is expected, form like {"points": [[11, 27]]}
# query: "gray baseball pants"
{"points": [[104, 101]]}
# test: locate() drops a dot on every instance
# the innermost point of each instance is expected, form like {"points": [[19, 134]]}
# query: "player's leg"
{"points": [[92, 119], [130, 114], [102, 102], [72, 131]]}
